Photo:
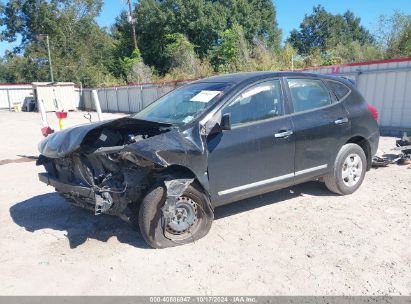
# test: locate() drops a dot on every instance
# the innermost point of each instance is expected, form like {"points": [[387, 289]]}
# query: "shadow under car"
{"points": [[52, 211]]}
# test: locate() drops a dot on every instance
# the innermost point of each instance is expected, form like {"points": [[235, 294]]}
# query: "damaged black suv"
{"points": [[212, 142]]}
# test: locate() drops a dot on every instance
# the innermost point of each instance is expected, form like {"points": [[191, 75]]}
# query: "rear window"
{"points": [[340, 90]]}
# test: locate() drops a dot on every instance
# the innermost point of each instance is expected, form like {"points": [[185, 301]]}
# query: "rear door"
{"points": [[321, 126], [257, 154]]}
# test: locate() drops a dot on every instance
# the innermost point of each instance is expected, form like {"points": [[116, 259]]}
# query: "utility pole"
{"points": [[49, 54], [48, 50], [132, 22]]}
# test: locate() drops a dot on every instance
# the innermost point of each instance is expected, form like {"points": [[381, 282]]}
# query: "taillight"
{"points": [[373, 111]]}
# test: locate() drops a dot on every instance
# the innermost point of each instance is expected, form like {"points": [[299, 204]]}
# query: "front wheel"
{"points": [[192, 219], [349, 170]]}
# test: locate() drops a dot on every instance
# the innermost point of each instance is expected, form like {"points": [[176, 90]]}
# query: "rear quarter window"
{"points": [[340, 90]]}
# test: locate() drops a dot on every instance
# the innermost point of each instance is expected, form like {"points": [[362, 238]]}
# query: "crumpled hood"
{"points": [[66, 141]]}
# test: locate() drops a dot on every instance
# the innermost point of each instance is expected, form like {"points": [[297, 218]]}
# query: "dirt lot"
{"points": [[298, 241]]}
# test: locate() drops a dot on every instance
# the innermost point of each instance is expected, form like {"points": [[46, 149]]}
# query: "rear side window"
{"points": [[261, 101], [340, 90], [308, 94]]}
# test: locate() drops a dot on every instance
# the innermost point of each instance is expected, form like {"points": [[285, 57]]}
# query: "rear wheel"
{"points": [[349, 170], [190, 221]]}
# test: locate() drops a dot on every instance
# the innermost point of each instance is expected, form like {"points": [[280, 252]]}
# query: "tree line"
{"points": [[183, 39]]}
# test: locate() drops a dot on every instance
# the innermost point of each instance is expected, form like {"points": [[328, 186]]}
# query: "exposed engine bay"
{"points": [[117, 137], [100, 175]]}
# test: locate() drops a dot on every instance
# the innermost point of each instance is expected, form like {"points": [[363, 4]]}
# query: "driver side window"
{"points": [[261, 101]]}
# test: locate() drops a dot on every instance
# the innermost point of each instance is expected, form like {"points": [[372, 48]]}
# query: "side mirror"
{"points": [[226, 122]]}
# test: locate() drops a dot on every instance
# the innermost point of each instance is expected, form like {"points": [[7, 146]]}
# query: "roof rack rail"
{"points": [[353, 82]]}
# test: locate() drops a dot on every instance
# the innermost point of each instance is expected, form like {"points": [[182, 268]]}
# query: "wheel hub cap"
{"points": [[352, 170]]}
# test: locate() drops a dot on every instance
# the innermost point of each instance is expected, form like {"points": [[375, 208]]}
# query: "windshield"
{"points": [[184, 104]]}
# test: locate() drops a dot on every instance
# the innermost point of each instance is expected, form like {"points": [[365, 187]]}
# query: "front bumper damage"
{"points": [[99, 202], [106, 181], [108, 168], [66, 188]]}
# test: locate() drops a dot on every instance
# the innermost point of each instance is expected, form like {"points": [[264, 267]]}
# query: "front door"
{"points": [[257, 154]]}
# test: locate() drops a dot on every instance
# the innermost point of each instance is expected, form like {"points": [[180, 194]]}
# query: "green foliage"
{"points": [[182, 60], [179, 52], [323, 30], [314, 58], [135, 58], [134, 69], [231, 53], [394, 34], [404, 44], [261, 59], [123, 47], [80, 49], [151, 30], [331, 58], [288, 57], [257, 18], [355, 52], [202, 22], [16, 69]]}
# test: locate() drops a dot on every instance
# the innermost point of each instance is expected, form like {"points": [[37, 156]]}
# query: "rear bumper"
{"points": [[73, 190], [374, 140]]}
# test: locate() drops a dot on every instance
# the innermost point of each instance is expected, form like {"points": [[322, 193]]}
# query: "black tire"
{"points": [[335, 181], [150, 217]]}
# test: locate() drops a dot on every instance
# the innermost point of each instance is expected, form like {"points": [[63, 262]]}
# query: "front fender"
{"points": [[175, 148]]}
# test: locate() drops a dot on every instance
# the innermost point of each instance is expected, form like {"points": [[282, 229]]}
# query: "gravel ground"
{"points": [[297, 241]]}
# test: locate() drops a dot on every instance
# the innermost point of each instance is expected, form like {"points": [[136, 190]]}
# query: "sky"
{"points": [[290, 13]]}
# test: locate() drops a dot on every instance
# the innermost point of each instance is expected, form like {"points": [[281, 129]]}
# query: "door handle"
{"points": [[283, 134], [341, 121]]}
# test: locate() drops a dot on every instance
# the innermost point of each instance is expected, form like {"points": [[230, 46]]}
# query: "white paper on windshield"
{"points": [[188, 119], [205, 96]]}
